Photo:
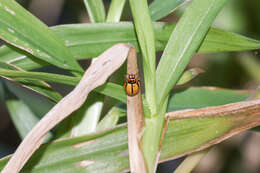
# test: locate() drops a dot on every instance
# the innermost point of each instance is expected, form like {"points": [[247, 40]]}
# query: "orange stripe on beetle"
{"points": [[132, 84]]}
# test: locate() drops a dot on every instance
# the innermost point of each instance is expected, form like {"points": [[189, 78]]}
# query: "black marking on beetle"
{"points": [[138, 83], [132, 88], [132, 82]]}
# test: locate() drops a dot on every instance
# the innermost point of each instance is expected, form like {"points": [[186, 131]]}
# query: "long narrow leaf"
{"points": [[98, 153], [159, 9], [23, 118], [111, 119], [199, 97], [115, 10], [96, 75], [96, 10], [110, 89], [85, 119], [35, 85], [89, 40], [146, 40], [189, 75], [21, 29], [183, 43], [49, 77], [31, 99]]}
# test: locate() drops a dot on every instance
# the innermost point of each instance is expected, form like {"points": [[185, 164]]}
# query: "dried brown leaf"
{"points": [[135, 120]]}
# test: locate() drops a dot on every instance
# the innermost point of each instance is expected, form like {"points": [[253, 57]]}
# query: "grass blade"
{"points": [[199, 97], [21, 29], [110, 89], [95, 151], [115, 10], [111, 119], [96, 10], [159, 9], [22, 117], [86, 118], [35, 85], [146, 40], [89, 40], [49, 77], [189, 75], [30, 98], [180, 99], [89, 114], [183, 43], [96, 75], [225, 122]]}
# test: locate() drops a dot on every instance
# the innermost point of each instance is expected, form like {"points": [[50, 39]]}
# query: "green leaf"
{"points": [[110, 89], [180, 98], [89, 40], [184, 97], [159, 9], [94, 152], [194, 98], [12, 55], [199, 97], [31, 99], [86, 118], [49, 77], [96, 10], [189, 75], [111, 118], [115, 10], [183, 43], [23, 118], [21, 29], [146, 40], [199, 132], [230, 42], [35, 85], [113, 90]]}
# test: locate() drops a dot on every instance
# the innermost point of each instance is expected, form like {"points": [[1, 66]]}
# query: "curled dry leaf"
{"points": [[95, 76], [135, 120], [234, 118], [193, 159]]}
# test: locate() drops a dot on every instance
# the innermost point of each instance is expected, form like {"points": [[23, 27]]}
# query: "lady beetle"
{"points": [[132, 84]]}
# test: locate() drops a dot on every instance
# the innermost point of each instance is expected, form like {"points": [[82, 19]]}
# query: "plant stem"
{"points": [[146, 40]]}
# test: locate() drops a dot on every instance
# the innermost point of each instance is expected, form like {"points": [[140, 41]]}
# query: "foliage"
{"points": [[30, 45]]}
